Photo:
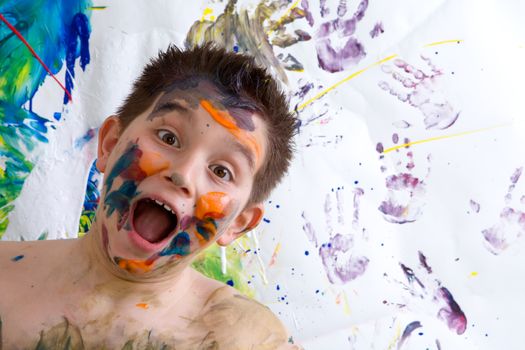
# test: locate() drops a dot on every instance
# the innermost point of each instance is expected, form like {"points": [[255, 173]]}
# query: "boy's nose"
{"points": [[182, 184]]}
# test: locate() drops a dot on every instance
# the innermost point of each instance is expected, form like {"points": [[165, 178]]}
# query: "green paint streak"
{"points": [[43, 236], [209, 264]]}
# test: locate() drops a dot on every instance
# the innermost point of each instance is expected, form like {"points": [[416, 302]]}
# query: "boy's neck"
{"points": [[104, 271]]}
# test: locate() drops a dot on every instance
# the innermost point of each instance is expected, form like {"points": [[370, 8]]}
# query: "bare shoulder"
{"points": [[235, 321]]}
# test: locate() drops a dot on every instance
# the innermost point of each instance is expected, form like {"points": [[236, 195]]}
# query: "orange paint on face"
{"points": [[152, 163], [142, 305], [135, 266], [227, 121], [212, 205]]}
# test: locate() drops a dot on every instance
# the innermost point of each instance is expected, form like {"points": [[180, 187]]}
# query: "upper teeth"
{"points": [[165, 206]]}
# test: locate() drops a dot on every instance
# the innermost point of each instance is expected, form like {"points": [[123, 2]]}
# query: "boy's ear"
{"points": [[247, 220], [108, 136]]}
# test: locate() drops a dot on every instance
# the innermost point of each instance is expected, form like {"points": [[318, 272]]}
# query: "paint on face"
{"points": [[212, 205], [228, 122], [179, 245]]}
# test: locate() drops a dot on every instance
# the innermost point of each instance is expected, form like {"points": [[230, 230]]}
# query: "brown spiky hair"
{"points": [[236, 75]]}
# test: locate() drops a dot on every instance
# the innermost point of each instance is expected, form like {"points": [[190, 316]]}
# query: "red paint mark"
{"points": [[17, 33]]}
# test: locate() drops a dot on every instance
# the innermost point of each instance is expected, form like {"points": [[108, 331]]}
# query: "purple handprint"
{"points": [[420, 90], [405, 189], [337, 48], [425, 288], [340, 262], [511, 225]]}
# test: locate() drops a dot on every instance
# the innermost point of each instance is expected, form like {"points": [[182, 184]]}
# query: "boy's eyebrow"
{"points": [[248, 154], [164, 107]]}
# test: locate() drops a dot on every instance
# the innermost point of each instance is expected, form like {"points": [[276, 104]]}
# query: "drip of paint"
{"points": [[224, 260]]}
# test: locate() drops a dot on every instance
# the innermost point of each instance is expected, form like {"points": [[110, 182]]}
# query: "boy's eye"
{"points": [[221, 172], [168, 138]]}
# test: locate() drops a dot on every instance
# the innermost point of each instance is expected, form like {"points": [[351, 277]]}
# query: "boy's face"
{"points": [[178, 178]]}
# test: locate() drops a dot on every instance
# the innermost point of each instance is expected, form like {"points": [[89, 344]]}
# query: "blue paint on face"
{"points": [[180, 245], [120, 199], [123, 163]]}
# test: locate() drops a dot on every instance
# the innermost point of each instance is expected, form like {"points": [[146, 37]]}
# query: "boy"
{"points": [[188, 160]]}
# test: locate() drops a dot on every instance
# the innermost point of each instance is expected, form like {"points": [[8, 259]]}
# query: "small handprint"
{"points": [[511, 225], [420, 90], [425, 288], [337, 47], [405, 190], [338, 255], [256, 32]]}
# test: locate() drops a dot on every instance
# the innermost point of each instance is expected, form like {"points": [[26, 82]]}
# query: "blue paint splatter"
{"points": [[17, 258], [230, 283], [88, 136]]}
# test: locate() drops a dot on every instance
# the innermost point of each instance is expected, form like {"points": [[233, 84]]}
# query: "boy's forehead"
{"points": [[190, 94]]}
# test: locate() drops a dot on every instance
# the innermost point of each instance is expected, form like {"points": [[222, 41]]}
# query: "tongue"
{"points": [[152, 222]]}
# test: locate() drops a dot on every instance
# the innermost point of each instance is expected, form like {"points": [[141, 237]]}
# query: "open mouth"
{"points": [[153, 220]]}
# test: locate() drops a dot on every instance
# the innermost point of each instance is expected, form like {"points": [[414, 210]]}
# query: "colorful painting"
{"points": [[400, 223]]}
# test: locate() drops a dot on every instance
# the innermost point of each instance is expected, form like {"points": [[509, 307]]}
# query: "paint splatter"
{"points": [[405, 189], [421, 90], [243, 30], [88, 136], [377, 30], [17, 258], [142, 305], [511, 225], [209, 263], [426, 287], [22, 75], [91, 200], [475, 206], [407, 332], [340, 28]]}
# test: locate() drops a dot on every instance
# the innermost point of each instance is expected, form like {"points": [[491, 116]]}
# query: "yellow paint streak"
{"points": [[97, 7], [444, 42], [339, 83], [274, 255], [443, 137], [473, 274], [22, 76], [394, 341], [142, 305], [346, 305]]}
